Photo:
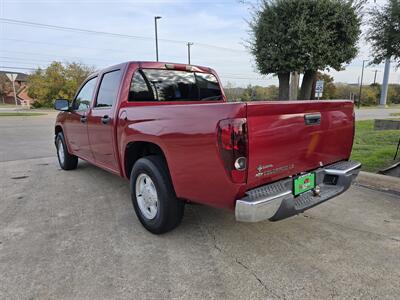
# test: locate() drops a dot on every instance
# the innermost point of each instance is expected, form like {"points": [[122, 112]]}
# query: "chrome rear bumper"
{"points": [[276, 201]]}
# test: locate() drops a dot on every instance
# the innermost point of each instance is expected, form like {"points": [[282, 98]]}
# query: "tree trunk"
{"points": [[284, 85], [307, 84], [294, 85]]}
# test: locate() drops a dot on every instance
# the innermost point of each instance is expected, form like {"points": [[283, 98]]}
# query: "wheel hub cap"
{"points": [[146, 195], [60, 151]]}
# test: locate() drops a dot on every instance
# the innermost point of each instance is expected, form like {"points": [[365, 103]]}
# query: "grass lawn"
{"points": [[374, 149], [20, 114]]}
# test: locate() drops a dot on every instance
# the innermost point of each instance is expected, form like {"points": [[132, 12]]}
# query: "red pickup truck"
{"points": [[169, 129]]}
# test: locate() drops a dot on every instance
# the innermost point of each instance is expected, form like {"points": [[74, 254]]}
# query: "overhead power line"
{"points": [[112, 34], [17, 68], [24, 59], [51, 57], [62, 45]]}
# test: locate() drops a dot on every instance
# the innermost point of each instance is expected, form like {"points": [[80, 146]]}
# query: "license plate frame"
{"points": [[303, 183]]}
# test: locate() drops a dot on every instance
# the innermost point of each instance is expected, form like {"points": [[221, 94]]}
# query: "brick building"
{"points": [[21, 89]]}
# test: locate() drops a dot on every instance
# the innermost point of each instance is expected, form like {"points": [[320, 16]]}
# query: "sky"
{"points": [[218, 30]]}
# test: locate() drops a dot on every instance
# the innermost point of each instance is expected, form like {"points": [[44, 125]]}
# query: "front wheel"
{"points": [[66, 160], [153, 196]]}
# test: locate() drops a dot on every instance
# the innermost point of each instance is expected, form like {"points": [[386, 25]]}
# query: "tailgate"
{"points": [[286, 138]]}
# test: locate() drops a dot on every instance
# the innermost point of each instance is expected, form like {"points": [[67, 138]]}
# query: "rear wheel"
{"points": [[66, 160], [153, 196]]}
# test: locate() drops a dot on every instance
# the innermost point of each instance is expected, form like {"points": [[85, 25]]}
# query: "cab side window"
{"points": [[108, 89], [85, 95]]}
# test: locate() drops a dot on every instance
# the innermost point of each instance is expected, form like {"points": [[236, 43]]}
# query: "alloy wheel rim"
{"points": [[60, 151], [147, 197]]}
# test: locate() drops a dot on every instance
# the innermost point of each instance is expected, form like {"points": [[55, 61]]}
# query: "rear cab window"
{"points": [[173, 85]]}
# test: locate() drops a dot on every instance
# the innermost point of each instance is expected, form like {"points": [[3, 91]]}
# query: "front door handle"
{"points": [[312, 119], [105, 119], [83, 119]]}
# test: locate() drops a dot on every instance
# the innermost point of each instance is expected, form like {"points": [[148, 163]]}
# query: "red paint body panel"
{"points": [[281, 142], [186, 131], [101, 138], [78, 140]]}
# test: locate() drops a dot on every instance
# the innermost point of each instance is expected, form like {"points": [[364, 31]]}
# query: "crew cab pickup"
{"points": [[169, 129]]}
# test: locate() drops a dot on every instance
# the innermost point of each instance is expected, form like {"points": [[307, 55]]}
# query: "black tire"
{"points": [[169, 208], [70, 162]]}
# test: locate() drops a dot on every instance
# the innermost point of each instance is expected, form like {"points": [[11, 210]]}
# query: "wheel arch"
{"points": [[138, 149], [58, 129]]}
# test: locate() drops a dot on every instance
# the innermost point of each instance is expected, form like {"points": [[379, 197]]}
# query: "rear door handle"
{"points": [[83, 119], [312, 119], [105, 119]]}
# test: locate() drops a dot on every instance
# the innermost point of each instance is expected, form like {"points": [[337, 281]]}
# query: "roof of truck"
{"points": [[158, 65]]}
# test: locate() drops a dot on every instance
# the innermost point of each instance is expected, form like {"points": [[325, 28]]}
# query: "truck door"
{"points": [[101, 122], [76, 121]]}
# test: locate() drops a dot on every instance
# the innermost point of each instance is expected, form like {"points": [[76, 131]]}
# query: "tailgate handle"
{"points": [[312, 119]]}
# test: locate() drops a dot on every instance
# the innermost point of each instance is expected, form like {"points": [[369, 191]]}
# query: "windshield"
{"points": [[173, 85]]}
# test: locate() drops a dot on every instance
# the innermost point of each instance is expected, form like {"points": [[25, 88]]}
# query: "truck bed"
{"points": [[280, 144]]}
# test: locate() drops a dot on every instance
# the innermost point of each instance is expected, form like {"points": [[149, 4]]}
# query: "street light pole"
{"points": [[155, 29], [361, 83], [188, 45]]}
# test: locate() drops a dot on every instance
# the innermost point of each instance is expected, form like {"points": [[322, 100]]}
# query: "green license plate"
{"points": [[303, 183]]}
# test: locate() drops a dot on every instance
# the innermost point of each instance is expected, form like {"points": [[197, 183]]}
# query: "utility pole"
{"points": [[188, 46], [361, 83], [376, 71], [155, 29], [385, 83]]}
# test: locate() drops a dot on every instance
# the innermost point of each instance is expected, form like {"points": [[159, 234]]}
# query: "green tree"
{"points": [[5, 86], [304, 36], [329, 86], [394, 94], [384, 32], [232, 92], [370, 95], [248, 93], [344, 91], [56, 81]]}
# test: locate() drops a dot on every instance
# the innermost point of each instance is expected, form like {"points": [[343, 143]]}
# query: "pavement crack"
{"points": [[205, 229], [257, 278], [215, 244], [19, 177]]}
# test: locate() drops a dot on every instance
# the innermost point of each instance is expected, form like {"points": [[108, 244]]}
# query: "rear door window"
{"points": [[173, 85], [108, 89]]}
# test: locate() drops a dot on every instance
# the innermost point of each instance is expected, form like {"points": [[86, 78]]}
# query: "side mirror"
{"points": [[61, 104]]}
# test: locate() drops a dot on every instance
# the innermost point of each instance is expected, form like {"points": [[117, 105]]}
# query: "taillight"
{"points": [[232, 142]]}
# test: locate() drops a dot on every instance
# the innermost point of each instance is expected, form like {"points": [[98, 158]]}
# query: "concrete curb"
{"points": [[378, 181]]}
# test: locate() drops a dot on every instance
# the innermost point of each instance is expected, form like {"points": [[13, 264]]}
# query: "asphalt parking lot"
{"points": [[74, 235]]}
